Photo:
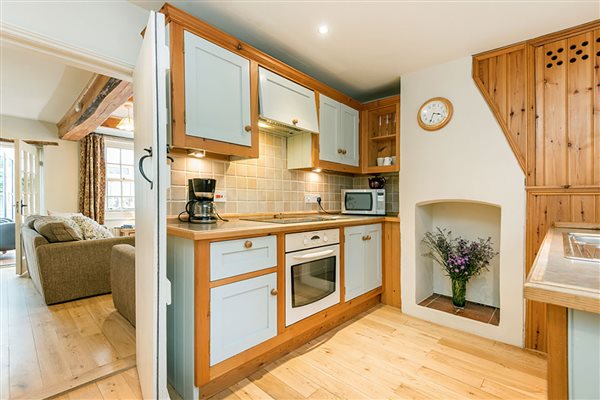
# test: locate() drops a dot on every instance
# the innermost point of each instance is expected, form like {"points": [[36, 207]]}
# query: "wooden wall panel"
{"points": [[517, 97], [596, 57], [551, 132], [501, 77], [543, 210], [580, 110]]}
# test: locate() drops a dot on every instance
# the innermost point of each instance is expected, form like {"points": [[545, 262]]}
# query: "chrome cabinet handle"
{"points": [[248, 244]]}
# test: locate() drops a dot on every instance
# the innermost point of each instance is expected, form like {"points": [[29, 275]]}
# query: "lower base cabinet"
{"points": [[242, 315], [362, 259]]}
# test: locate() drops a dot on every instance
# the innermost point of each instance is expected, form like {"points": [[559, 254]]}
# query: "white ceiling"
{"points": [[37, 87], [371, 43]]}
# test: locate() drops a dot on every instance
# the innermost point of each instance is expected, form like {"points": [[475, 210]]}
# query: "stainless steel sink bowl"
{"points": [[582, 246]]}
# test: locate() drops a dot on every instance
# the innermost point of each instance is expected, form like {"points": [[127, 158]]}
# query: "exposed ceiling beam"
{"points": [[100, 98]]}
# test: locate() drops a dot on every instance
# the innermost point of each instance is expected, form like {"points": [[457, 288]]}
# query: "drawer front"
{"points": [[242, 315], [236, 257]]}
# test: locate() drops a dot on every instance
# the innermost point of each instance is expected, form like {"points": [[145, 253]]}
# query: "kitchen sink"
{"points": [[282, 219], [582, 246]]}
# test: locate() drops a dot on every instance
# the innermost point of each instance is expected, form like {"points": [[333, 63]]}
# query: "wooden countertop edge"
{"points": [[562, 296], [272, 228]]}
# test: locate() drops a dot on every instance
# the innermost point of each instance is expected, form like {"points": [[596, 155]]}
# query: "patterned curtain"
{"points": [[92, 177]]}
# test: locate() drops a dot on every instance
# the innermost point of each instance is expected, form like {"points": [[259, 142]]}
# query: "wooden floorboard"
{"points": [[47, 350], [380, 354]]}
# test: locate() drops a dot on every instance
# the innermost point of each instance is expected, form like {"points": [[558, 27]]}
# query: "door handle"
{"points": [[141, 166], [22, 206], [314, 255]]}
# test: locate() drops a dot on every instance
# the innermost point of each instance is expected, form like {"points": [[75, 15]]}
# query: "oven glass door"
{"points": [[313, 281], [357, 201]]}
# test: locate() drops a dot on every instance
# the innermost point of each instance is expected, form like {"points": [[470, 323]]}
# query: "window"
{"points": [[119, 176]]}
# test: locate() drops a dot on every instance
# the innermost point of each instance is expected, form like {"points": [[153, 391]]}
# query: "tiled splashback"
{"points": [[264, 185]]}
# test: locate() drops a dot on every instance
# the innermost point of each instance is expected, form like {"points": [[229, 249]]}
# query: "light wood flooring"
{"points": [[45, 350], [380, 354], [384, 354]]}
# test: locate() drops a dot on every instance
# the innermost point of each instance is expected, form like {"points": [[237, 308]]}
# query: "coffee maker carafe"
{"points": [[200, 207]]}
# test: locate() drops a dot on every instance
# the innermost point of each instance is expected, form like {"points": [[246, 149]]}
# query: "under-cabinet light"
{"points": [[197, 153]]}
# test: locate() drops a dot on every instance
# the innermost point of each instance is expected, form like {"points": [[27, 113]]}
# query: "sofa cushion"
{"points": [[57, 229], [90, 228], [30, 219]]}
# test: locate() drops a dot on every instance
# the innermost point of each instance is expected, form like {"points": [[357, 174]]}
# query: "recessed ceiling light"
{"points": [[323, 29]]}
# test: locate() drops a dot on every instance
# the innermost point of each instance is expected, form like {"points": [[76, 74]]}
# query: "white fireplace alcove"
{"points": [[463, 176], [469, 220]]}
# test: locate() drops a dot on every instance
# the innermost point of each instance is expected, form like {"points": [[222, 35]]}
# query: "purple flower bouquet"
{"points": [[461, 259]]}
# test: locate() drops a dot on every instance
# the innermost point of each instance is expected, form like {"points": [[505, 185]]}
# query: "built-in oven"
{"points": [[312, 273]]}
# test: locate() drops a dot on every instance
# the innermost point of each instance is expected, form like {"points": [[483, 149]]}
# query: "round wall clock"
{"points": [[435, 113]]}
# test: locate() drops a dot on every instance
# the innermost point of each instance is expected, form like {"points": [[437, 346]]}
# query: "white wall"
{"points": [[61, 163], [469, 160], [107, 29], [470, 221]]}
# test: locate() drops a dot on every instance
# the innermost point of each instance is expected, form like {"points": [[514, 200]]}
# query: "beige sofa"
{"points": [[69, 270]]}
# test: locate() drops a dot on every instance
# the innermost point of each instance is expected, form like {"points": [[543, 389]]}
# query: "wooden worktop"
{"points": [[236, 227], [561, 281]]}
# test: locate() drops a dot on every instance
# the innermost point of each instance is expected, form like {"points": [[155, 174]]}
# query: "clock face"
{"points": [[435, 113]]}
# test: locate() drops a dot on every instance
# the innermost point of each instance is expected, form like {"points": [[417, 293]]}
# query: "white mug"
{"points": [[387, 161], [380, 161]]}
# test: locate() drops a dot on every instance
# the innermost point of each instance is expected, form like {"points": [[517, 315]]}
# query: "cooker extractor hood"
{"points": [[286, 108]]}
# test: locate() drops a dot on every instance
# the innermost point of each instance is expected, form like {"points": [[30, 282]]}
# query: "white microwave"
{"points": [[363, 201]]}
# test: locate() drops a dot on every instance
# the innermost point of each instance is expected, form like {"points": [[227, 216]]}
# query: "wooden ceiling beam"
{"points": [[100, 98]]}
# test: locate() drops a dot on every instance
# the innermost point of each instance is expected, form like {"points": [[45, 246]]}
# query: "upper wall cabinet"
{"points": [[338, 140], [286, 102], [380, 127], [217, 93]]}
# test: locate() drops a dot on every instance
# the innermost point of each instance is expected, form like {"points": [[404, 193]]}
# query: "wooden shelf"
{"points": [[382, 169], [382, 138]]}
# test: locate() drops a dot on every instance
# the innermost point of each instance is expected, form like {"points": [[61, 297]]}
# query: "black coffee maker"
{"points": [[200, 207]]}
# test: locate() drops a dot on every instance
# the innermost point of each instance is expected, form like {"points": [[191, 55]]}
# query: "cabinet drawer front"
{"points": [[236, 257], [217, 92], [242, 315]]}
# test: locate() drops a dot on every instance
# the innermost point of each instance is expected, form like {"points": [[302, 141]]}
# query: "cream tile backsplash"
{"points": [[262, 185]]}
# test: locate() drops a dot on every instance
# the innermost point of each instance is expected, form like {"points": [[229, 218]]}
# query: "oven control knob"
{"points": [[305, 240], [325, 238]]}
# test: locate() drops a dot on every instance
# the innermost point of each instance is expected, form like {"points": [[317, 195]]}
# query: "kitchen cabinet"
{"points": [[362, 259], [236, 257], [213, 96], [286, 102], [338, 139], [380, 129], [242, 315], [217, 92]]}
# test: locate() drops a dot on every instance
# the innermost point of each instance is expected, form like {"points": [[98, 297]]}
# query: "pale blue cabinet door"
{"points": [[242, 315], [217, 92], [354, 255], [372, 260], [362, 259], [287, 102], [329, 126], [348, 135]]}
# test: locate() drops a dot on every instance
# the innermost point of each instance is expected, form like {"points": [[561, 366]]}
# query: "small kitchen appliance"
{"points": [[363, 201], [376, 182], [200, 207]]}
